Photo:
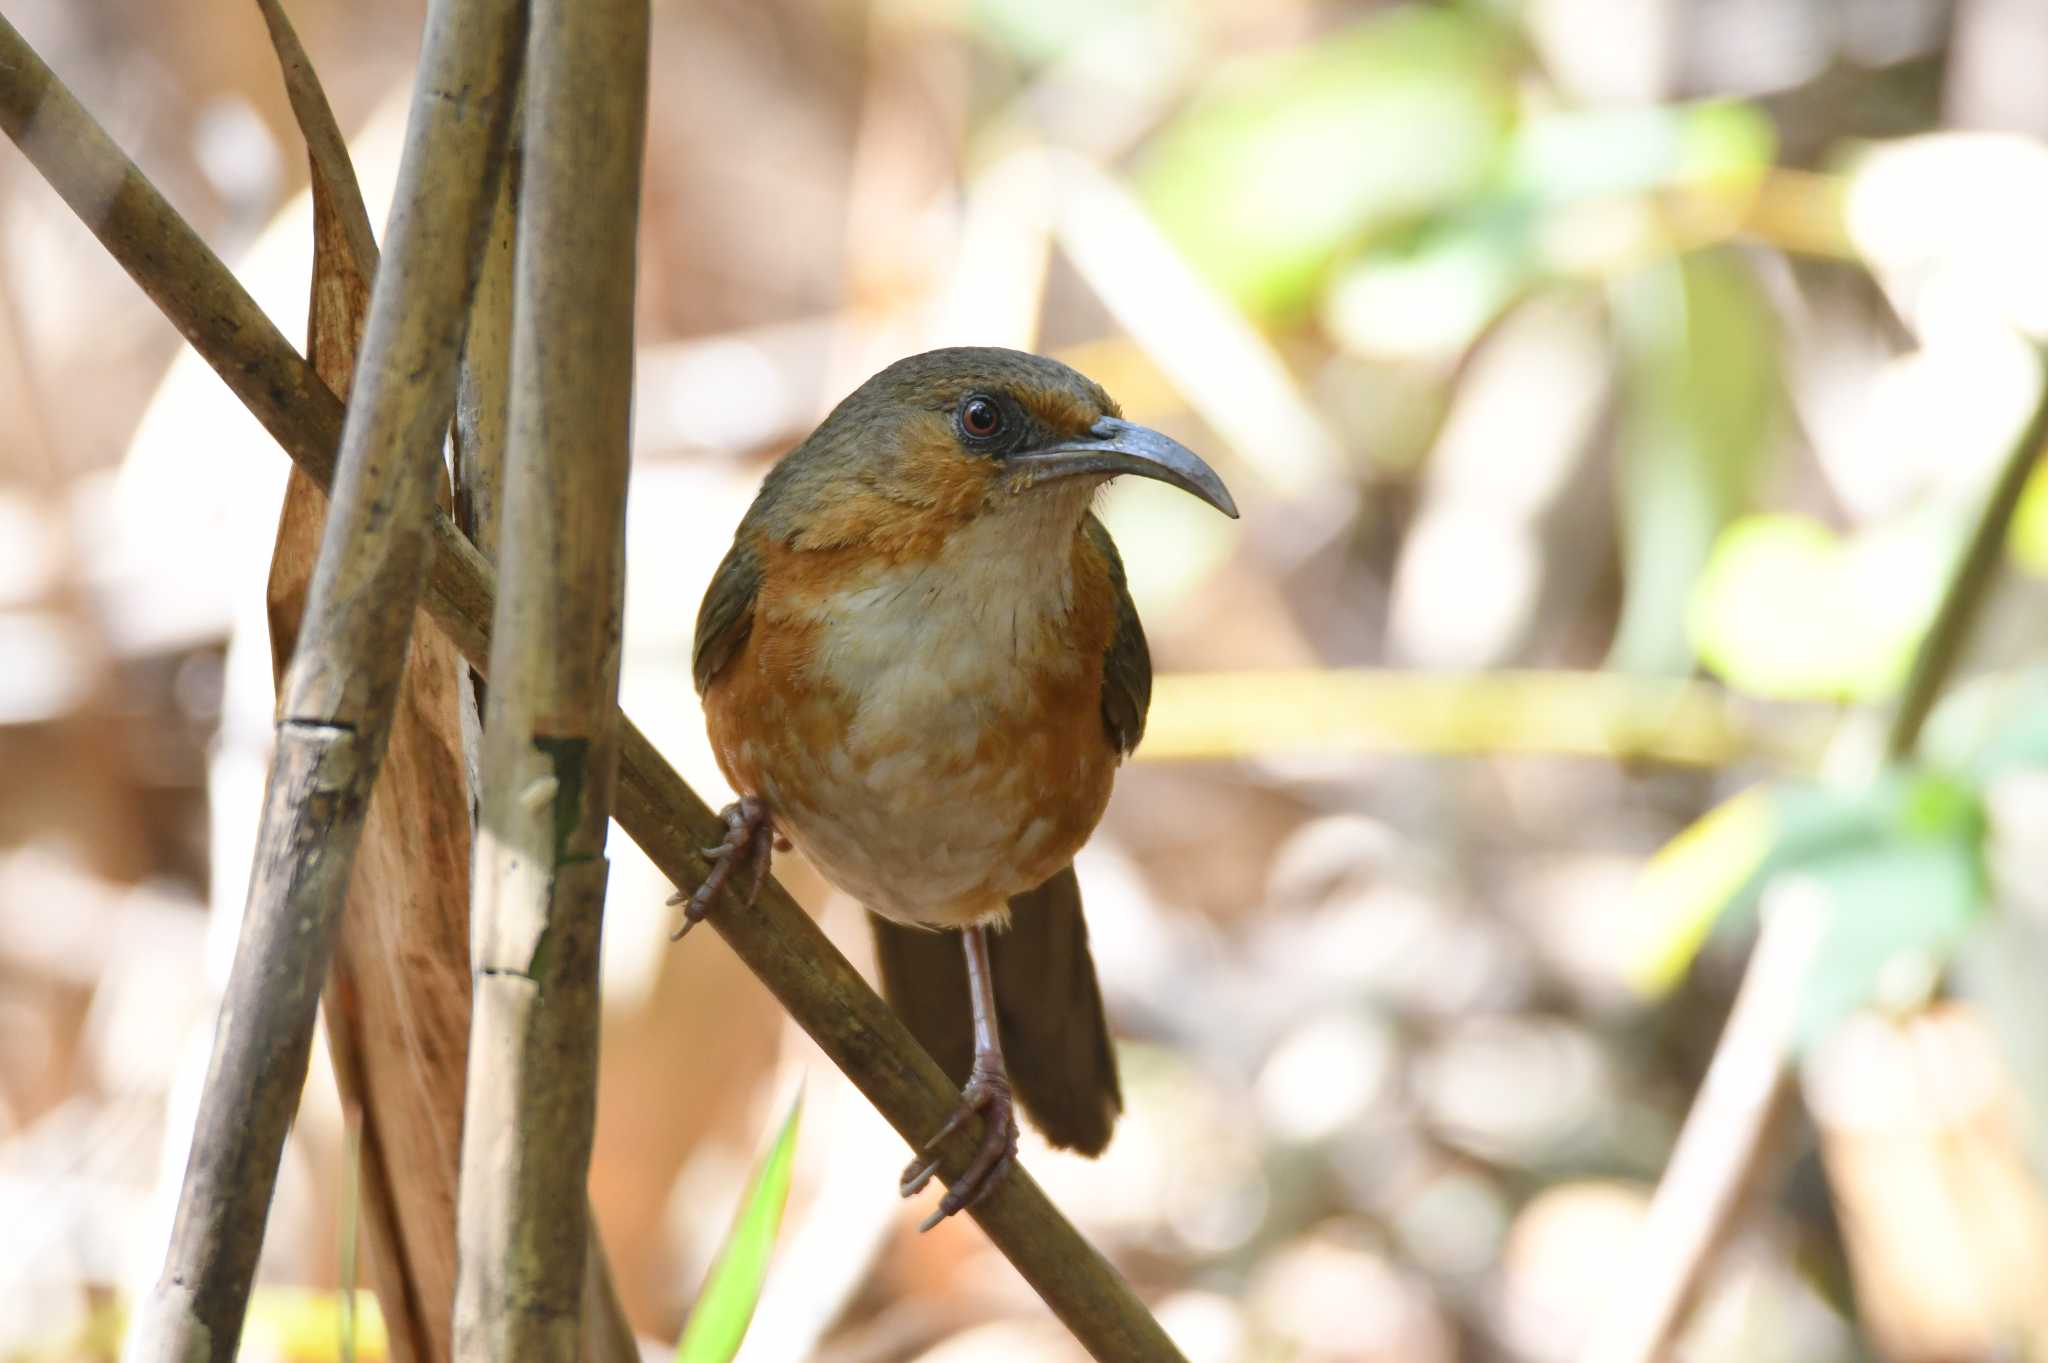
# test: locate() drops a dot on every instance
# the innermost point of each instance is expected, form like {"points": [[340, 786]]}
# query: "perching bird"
{"points": [[920, 665]]}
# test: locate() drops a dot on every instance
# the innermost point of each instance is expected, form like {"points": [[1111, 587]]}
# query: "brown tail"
{"points": [[1055, 1036]]}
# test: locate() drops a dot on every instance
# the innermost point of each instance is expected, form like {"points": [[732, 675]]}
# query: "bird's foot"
{"points": [[749, 837], [987, 1093]]}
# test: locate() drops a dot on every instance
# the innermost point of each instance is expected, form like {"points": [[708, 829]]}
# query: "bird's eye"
{"points": [[980, 417]]}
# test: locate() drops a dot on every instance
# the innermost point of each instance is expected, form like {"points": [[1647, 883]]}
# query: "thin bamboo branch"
{"points": [[338, 695], [1734, 1121], [1970, 582], [483, 390], [1741, 1105], [396, 1002], [550, 742], [776, 939]]}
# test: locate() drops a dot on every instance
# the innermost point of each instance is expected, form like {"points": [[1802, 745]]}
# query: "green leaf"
{"points": [[1911, 895], [1432, 297], [1687, 885], [1914, 824], [2028, 539], [1787, 609], [1994, 726], [1700, 392], [718, 1322], [1287, 161], [1430, 292]]}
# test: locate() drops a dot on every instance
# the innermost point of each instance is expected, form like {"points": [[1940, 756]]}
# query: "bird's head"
{"points": [[969, 435]]}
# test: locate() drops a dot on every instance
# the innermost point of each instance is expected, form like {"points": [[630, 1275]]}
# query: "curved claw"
{"points": [[916, 1175], [955, 1200], [749, 837], [986, 1094]]}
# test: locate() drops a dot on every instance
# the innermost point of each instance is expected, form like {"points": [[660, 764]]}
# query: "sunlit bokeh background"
{"points": [[1607, 384]]}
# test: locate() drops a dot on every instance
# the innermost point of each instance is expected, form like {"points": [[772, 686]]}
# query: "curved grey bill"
{"points": [[1122, 447]]}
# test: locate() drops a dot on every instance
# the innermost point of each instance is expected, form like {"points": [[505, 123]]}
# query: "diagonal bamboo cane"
{"points": [[550, 745], [776, 939]]}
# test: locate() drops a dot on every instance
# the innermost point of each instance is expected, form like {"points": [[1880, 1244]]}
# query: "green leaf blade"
{"points": [[1699, 398], [718, 1323]]}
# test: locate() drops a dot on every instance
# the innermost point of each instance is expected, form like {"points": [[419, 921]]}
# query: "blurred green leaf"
{"points": [[1918, 893], [1287, 160], [1717, 867], [2028, 541], [1788, 609], [1921, 827], [1430, 292], [2021, 742], [1433, 296], [302, 1323], [1699, 352], [718, 1322], [1687, 885], [1991, 726]]}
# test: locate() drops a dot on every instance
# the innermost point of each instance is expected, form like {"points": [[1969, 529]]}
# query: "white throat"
{"points": [[969, 625]]}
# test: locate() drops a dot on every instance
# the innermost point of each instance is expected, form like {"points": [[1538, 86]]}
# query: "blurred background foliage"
{"points": [[1610, 385]]}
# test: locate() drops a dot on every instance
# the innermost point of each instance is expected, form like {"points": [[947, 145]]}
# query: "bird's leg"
{"points": [[749, 837], [987, 1092]]}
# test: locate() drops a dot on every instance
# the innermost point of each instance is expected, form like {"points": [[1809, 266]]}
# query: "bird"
{"points": [[920, 665]]}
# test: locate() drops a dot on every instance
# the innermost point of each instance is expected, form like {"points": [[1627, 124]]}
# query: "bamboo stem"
{"points": [[1741, 1103], [338, 695], [777, 940], [550, 742], [1969, 583], [483, 390], [482, 401], [396, 1002]]}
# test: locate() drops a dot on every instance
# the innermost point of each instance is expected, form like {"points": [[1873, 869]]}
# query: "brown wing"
{"points": [[727, 616], [1127, 666]]}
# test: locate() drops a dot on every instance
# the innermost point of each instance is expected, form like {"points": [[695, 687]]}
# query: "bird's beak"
{"points": [[1114, 446]]}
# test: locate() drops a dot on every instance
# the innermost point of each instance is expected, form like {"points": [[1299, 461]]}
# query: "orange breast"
{"points": [[932, 742]]}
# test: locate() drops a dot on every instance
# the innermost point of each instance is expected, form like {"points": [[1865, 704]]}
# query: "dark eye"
{"points": [[980, 417]]}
